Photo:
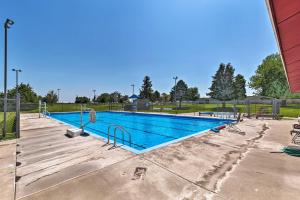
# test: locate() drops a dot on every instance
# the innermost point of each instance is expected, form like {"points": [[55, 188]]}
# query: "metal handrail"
{"points": [[116, 127]]}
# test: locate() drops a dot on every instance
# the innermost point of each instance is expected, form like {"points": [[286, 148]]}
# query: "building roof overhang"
{"points": [[285, 18]]}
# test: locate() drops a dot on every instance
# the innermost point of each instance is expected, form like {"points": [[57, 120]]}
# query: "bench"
{"points": [[206, 113]]}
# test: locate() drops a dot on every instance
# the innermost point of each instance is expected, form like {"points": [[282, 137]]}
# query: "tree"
{"points": [[269, 79], [228, 91], [115, 97], [26, 93], [165, 97], [124, 98], [146, 90], [239, 87], [192, 94], [103, 98], [51, 97], [222, 87], [278, 89], [181, 89], [82, 99], [156, 96]]}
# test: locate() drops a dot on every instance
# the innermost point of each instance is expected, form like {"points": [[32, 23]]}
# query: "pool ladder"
{"points": [[122, 129]]}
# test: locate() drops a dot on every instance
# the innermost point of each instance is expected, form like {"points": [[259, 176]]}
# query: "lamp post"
{"points": [[58, 95], [132, 89], [175, 78], [17, 79], [94, 95], [175, 88], [7, 25]]}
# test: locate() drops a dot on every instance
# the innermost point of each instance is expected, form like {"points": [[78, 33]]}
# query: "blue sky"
{"points": [[107, 45]]}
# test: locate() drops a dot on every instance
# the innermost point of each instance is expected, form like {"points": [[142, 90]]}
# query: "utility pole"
{"points": [[7, 25]]}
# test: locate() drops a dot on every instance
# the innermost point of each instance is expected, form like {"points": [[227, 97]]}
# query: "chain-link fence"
{"points": [[73, 107], [11, 128], [286, 108], [252, 108], [29, 107], [10, 117]]}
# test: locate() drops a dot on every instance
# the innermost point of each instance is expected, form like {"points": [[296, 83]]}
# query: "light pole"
{"points": [[94, 95], [132, 89], [7, 25], [175, 78], [58, 95], [17, 79]]}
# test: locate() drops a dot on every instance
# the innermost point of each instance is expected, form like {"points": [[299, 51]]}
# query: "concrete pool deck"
{"points": [[208, 166]]}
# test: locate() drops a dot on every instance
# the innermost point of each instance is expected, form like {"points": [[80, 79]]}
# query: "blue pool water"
{"points": [[147, 131]]}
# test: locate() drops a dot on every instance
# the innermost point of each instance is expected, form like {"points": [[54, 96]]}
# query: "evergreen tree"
{"points": [[239, 87], [156, 96], [227, 87], [228, 92], [181, 90], [146, 90], [222, 87], [217, 82]]}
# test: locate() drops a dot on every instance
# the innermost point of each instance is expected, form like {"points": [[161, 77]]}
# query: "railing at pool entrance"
{"points": [[123, 131]]}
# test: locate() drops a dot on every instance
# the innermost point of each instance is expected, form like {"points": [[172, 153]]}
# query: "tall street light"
{"points": [[175, 78], [58, 95], [94, 95], [17, 79], [132, 89], [8, 23]]}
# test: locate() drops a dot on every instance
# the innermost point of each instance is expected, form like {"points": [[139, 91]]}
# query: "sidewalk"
{"points": [[7, 169]]}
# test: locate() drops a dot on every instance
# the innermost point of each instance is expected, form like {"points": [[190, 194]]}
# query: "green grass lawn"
{"points": [[10, 125], [290, 111]]}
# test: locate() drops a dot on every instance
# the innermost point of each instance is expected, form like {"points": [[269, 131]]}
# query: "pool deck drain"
{"points": [[208, 166]]}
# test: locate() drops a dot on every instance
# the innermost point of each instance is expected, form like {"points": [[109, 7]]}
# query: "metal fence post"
{"points": [[18, 115], [275, 108], [40, 108], [235, 109], [248, 108], [4, 115]]}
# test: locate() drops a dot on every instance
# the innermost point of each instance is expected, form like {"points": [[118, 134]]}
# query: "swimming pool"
{"points": [[148, 131]]}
